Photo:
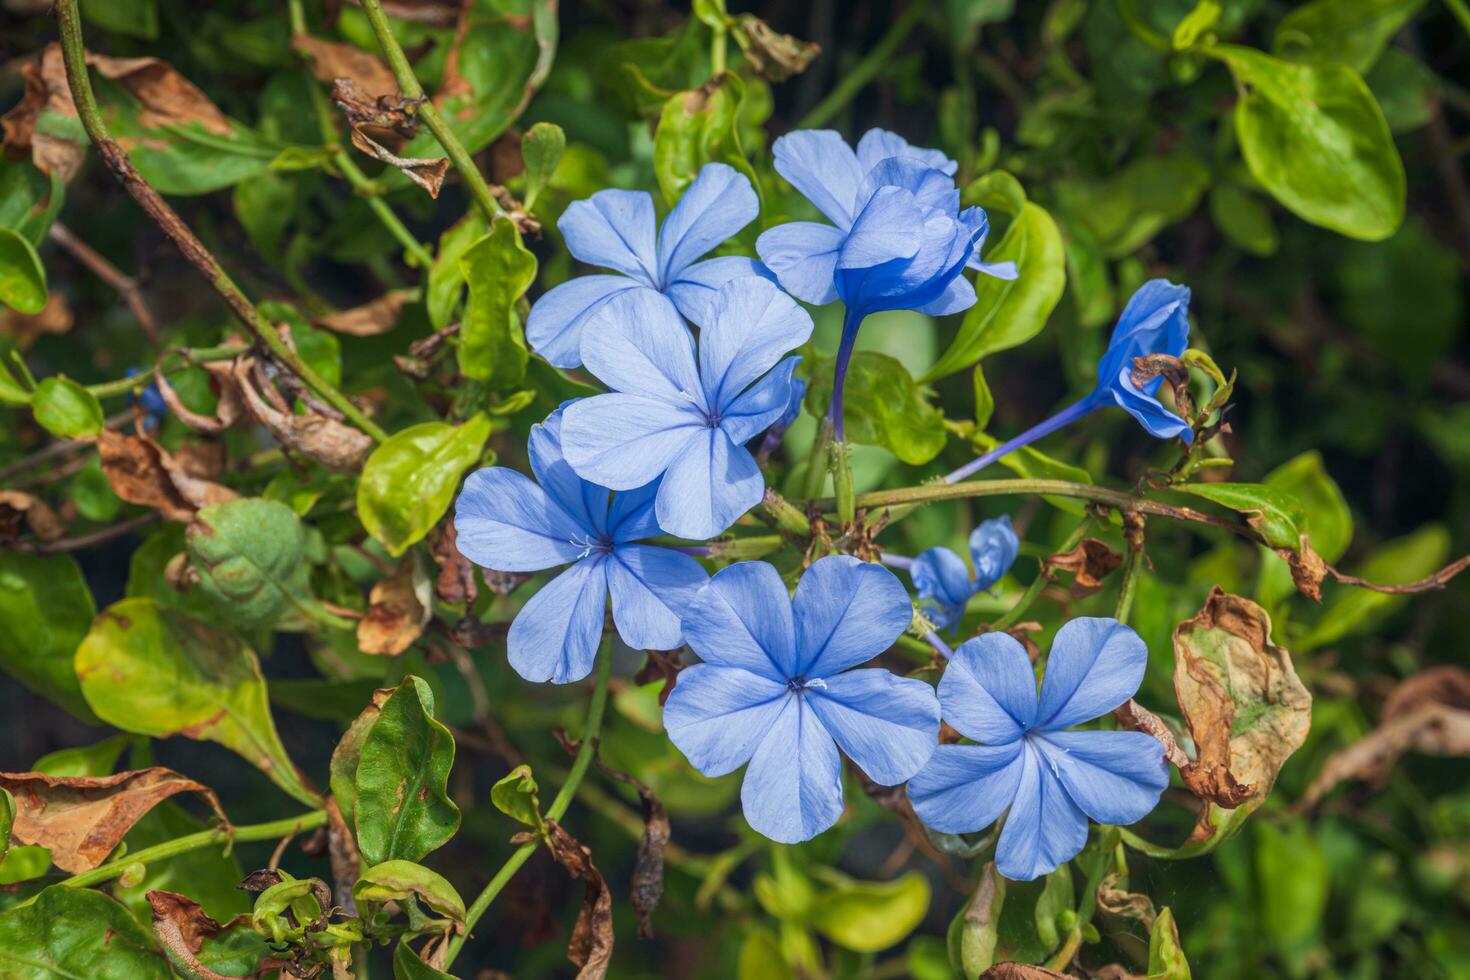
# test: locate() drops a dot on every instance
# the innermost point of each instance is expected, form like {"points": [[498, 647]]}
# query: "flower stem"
{"points": [[851, 322], [557, 809], [1063, 418], [816, 460], [900, 562], [842, 482], [940, 647], [408, 85], [863, 72]]}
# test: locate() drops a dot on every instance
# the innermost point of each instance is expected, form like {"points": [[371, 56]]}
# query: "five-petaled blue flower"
{"points": [[506, 522], [1049, 779], [615, 229], [681, 415], [941, 578], [775, 689]]}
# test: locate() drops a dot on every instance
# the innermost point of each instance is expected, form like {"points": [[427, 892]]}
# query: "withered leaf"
{"points": [[773, 55], [228, 409], [343, 854], [381, 125], [331, 60], [399, 609], [1021, 971], [333, 444], [592, 937], [456, 580], [182, 926], [1127, 917], [18, 507], [142, 472], [1132, 715], [371, 319], [1090, 562], [82, 819], [648, 869], [661, 665], [258, 881]]}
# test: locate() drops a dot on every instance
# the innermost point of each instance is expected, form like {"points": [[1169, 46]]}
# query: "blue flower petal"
{"points": [[504, 521], [763, 404], [613, 229], [820, 164], [793, 785], [1155, 321], [1044, 828], [556, 634], [846, 612], [1095, 665], [717, 715], [743, 619], [890, 227], [1157, 420], [636, 343], [993, 548], [707, 485], [940, 576], [694, 290], [631, 516], [996, 270], [957, 296], [714, 208], [888, 725], [803, 255], [965, 788], [586, 502], [988, 691], [651, 587], [554, 328], [931, 188], [878, 145], [625, 441], [1113, 777], [752, 324]]}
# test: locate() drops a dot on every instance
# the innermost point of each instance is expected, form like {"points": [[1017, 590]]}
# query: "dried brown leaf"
{"points": [[592, 938], [18, 507], [773, 55], [1021, 971], [1090, 562], [329, 442], [331, 60], [648, 869], [427, 172], [381, 125], [1444, 684], [24, 328], [661, 665], [1127, 917], [1134, 716], [456, 580], [343, 854], [82, 819], [229, 407], [142, 472], [182, 925], [371, 319], [46, 91], [399, 609]]}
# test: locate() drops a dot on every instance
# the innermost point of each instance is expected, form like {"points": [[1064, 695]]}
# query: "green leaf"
{"points": [[1057, 896], [408, 965], [499, 270], [515, 796], [66, 409], [984, 400], [1293, 874], [45, 609], [138, 18], [347, 755], [541, 150], [1406, 89], [1350, 610], [1196, 24], [93, 495], [1353, 32], [1007, 314], [7, 818], [409, 481], [403, 810], [868, 916], [11, 392], [699, 127], [250, 556], [1329, 523], [1243, 219], [264, 206], [22, 277], [1314, 137], [883, 406], [99, 759], [1125, 211], [1275, 513], [396, 881], [1165, 956], [1031, 463], [152, 671], [78, 934], [29, 199], [445, 283]]}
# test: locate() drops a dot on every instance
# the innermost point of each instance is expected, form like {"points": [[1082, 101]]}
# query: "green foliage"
{"points": [[22, 277], [408, 482], [251, 558], [76, 932], [883, 406], [45, 609], [499, 269], [66, 409]]}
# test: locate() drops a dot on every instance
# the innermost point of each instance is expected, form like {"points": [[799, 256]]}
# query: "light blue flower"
{"points": [[1155, 321], [681, 414], [1046, 781], [507, 522], [943, 581], [776, 689], [615, 229]]}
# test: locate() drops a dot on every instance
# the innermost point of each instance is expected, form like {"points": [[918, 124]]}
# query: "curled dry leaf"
{"points": [[456, 580], [371, 319], [331, 60], [399, 609], [141, 472], [343, 854], [648, 869], [773, 55], [1428, 713], [82, 819], [333, 444], [1090, 562], [1021, 971], [661, 665], [1245, 707], [228, 409], [182, 926], [1132, 715], [1127, 917], [592, 937], [382, 125], [18, 507]]}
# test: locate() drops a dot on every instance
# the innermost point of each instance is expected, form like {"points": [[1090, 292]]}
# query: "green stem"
{"points": [[196, 355], [1068, 952], [75, 57], [842, 482], [408, 85], [558, 806], [1014, 614], [787, 517], [182, 845], [816, 460], [864, 71], [1129, 587]]}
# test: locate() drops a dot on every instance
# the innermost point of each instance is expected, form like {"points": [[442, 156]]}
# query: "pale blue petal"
{"points": [[636, 343], [613, 229], [742, 618], [1095, 665], [820, 164], [651, 587], [763, 404], [752, 325], [624, 441], [1113, 777], [888, 725], [793, 786], [586, 502], [847, 612], [890, 227], [717, 716], [965, 788], [707, 486], [714, 208], [957, 296], [556, 634], [554, 328], [940, 577], [988, 691], [1044, 828], [1157, 420], [880, 144], [695, 289], [631, 516], [803, 255], [993, 549], [996, 270], [931, 188], [504, 521]]}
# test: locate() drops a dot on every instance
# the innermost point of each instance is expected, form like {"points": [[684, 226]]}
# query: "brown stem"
{"points": [[101, 536], [1436, 581]]}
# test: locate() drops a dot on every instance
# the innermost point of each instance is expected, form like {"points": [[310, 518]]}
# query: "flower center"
{"points": [[799, 684], [593, 545]]}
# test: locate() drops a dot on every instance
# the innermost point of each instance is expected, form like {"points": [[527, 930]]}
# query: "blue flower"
{"points": [[776, 689], [509, 523], [943, 580], [1048, 781], [615, 229], [151, 400], [681, 415]]}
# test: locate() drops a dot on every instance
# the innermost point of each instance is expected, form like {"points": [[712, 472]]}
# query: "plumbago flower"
{"points": [[615, 229], [776, 689], [506, 522], [1048, 781], [1155, 321], [898, 239], [681, 414], [943, 581]]}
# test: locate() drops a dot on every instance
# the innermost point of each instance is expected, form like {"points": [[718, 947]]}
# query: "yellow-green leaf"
{"points": [[499, 270], [409, 481]]}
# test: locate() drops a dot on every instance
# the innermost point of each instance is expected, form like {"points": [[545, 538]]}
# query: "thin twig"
{"points": [[89, 540], [125, 285]]}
